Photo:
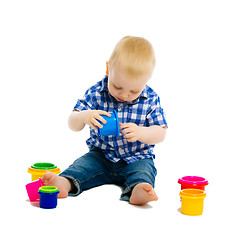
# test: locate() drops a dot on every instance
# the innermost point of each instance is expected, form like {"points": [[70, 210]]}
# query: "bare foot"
{"points": [[63, 185], [143, 193]]}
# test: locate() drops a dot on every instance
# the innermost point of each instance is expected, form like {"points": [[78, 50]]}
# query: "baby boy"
{"points": [[125, 160]]}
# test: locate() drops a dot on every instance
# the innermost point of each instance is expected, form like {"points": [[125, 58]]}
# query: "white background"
{"points": [[52, 51]]}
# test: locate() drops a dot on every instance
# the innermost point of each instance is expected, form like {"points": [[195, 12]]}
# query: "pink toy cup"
{"points": [[32, 189], [193, 182]]}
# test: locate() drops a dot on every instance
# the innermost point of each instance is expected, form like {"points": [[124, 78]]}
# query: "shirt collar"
{"points": [[144, 93], [104, 84]]}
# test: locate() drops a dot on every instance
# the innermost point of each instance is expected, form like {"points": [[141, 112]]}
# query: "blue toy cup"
{"points": [[111, 127], [48, 197]]}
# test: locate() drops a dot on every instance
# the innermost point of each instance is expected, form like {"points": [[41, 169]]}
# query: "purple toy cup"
{"points": [[32, 189]]}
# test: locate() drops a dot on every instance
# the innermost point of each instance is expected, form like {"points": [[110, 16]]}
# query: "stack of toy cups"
{"points": [[192, 194], [47, 195], [39, 169]]}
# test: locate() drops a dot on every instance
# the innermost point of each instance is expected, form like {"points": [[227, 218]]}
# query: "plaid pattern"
{"points": [[143, 111]]}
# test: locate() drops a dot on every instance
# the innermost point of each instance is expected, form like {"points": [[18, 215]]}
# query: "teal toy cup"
{"points": [[111, 127]]}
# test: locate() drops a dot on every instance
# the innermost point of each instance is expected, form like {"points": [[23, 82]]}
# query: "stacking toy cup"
{"points": [[39, 169], [48, 196], [193, 182], [192, 201], [32, 189], [111, 127]]}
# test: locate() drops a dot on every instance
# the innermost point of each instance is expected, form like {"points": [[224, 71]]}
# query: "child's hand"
{"points": [[90, 118], [131, 131]]}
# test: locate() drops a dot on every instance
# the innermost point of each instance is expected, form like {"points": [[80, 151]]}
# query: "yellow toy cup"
{"points": [[39, 169], [192, 201]]}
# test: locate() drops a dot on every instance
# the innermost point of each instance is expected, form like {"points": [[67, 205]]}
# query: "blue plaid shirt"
{"points": [[143, 111]]}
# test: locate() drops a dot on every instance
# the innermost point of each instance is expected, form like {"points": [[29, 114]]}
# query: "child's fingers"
{"points": [[96, 123], [93, 126], [129, 135], [126, 131], [101, 112], [133, 139], [100, 118], [125, 125]]}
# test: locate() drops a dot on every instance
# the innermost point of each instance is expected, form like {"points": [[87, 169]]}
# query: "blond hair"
{"points": [[135, 55]]}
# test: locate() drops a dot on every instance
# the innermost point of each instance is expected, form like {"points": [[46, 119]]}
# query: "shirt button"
{"points": [[120, 149], [119, 109]]}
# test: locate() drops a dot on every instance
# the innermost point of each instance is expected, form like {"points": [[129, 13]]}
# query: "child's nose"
{"points": [[124, 96]]}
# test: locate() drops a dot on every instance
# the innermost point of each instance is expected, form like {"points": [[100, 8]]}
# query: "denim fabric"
{"points": [[94, 169]]}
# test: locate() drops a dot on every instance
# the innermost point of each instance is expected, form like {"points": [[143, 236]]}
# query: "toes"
{"points": [[47, 177], [143, 193], [147, 187], [155, 197], [151, 193]]}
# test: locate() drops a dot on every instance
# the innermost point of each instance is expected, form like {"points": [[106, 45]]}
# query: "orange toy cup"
{"points": [[39, 169], [192, 201]]}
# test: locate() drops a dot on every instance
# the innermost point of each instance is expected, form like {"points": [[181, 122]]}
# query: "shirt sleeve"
{"points": [[156, 114], [85, 103]]}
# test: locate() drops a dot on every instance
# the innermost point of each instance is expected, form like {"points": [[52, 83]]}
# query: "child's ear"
{"points": [[107, 71]]}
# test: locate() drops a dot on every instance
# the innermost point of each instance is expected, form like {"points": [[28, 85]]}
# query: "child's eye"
{"points": [[117, 87]]}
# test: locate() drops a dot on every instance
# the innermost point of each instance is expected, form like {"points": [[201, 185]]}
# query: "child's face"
{"points": [[124, 89]]}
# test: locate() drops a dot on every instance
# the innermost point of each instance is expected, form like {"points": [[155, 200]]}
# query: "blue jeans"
{"points": [[93, 169]]}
